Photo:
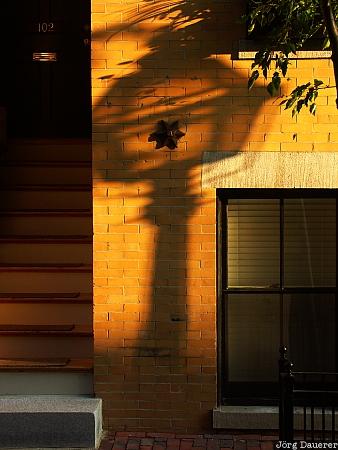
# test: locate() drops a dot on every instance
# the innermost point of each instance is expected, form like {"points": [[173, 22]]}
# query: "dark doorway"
{"points": [[46, 68]]}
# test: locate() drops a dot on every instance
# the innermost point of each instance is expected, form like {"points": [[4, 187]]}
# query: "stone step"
{"points": [[50, 421]]}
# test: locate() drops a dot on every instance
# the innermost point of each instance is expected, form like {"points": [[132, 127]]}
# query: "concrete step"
{"points": [[50, 421]]}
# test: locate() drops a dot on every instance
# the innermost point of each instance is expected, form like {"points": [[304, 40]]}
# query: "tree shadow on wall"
{"points": [[181, 70]]}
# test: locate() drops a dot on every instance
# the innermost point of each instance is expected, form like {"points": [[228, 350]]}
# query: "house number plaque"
{"points": [[45, 27]]}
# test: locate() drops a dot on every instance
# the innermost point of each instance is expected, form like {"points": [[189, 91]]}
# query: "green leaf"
{"points": [[310, 95], [274, 84], [284, 27], [284, 67], [252, 79], [300, 105], [271, 89], [318, 82], [251, 27], [290, 102], [276, 81], [326, 43], [313, 109]]}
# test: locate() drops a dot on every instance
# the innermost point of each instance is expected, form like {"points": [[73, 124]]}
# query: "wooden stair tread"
{"points": [[23, 328], [46, 187], [46, 267], [40, 294], [47, 163], [12, 141], [45, 330], [46, 298], [47, 239], [46, 364], [47, 212], [34, 362]]}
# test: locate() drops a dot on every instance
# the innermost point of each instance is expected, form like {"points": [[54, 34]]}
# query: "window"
{"points": [[277, 285]]}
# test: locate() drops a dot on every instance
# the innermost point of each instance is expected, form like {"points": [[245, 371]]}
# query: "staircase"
{"points": [[46, 268]]}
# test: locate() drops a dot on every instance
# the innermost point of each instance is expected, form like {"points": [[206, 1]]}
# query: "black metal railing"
{"points": [[308, 402]]}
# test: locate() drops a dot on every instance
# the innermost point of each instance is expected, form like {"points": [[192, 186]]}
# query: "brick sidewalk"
{"points": [[160, 441]]}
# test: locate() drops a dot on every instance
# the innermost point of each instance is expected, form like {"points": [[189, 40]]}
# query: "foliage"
{"points": [[283, 27]]}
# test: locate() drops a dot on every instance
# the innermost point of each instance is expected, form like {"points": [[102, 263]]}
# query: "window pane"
{"points": [[310, 242], [253, 337], [309, 331], [253, 243]]}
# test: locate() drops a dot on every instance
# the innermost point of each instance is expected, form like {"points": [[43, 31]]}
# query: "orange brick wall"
{"points": [[154, 227]]}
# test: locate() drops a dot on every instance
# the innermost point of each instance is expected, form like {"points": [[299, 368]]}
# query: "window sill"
{"points": [[246, 417], [247, 50], [260, 417]]}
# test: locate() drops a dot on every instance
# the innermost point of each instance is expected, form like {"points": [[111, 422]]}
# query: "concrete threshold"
{"points": [[39, 422]]}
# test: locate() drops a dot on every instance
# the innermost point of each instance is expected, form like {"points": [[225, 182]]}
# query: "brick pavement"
{"points": [[171, 441]]}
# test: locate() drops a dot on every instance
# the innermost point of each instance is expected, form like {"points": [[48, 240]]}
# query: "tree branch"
{"points": [[332, 31]]}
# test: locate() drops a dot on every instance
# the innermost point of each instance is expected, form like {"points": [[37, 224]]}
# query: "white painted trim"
{"points": [[247, 50], [302, 54], [272, 170]]}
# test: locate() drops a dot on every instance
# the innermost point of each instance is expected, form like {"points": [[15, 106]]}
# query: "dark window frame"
{"points": [[256, 393]]}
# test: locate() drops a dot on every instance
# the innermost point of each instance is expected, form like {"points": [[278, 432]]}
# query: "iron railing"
{"points": [[308, 402]]}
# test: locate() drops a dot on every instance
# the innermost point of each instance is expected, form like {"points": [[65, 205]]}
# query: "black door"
{"points": [[46, 67]]}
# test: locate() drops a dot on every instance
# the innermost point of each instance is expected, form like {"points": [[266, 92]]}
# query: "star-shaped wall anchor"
{"points": [[166, 135]]}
